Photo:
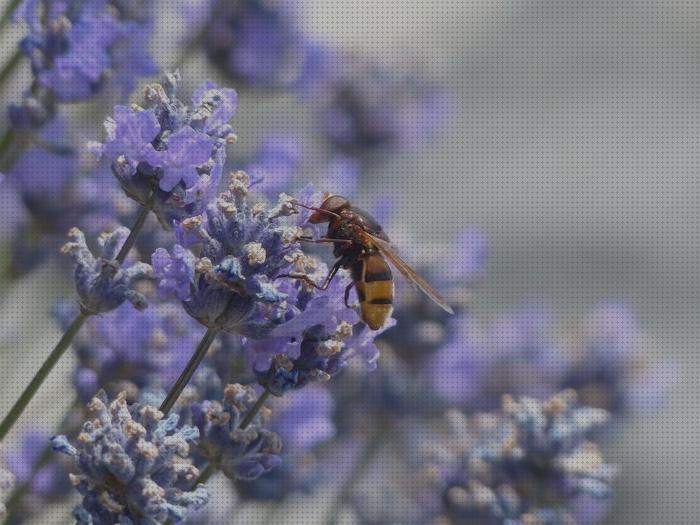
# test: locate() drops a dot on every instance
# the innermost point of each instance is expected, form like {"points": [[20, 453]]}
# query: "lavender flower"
{"points": [[242, 454], [258, 42], [232, 285], [132, 465], [159, 344], [78, 48], [102, 283], [364, 107], [170, 157], [530, 464], [304, 421], [611, 364], [46, 481]]}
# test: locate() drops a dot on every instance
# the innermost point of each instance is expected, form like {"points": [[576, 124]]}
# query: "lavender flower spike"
{"points": [[243, 454], [170, 157], [531, 464], [131, 465], [102, 283], [77, 48]]}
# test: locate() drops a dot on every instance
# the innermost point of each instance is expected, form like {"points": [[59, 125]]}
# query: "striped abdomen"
{"points": [[375, 289]]}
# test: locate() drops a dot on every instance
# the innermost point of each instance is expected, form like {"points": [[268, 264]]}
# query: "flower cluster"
{"points": [[532, 463], [132, 465], [242, 453], [76, 48], [169, 157], [102, 283]]}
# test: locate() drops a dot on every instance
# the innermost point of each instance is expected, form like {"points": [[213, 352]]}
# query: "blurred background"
{"points": [[570, 139]]}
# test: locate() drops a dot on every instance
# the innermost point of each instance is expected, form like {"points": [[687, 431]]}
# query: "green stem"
{"points": [[41, 375], [10, 66], [254, 409], [374, 444], [205, 475], [189, 370], [6, 15], [135, 230], [6, 144]]}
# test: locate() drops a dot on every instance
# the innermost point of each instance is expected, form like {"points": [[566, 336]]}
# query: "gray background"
{"points": [[574, 145]]}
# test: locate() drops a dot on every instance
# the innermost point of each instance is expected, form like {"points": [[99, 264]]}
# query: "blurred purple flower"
{"points": [[275, 165], [531, 463], [77, 48], [49, 479], [612, 365], [160, 342], [303, 420], [364, 107], [257, 42]]}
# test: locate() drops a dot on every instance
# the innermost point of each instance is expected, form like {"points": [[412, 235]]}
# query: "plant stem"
{"points": [[254, 409], [205, 475], [10, 66], [374, 443], [6, 15], [135, 230], [40, 376], [6, 144], [68, 336], [189, 370]]}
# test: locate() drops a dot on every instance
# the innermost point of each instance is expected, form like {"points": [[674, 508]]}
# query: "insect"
{"points": [[361, 246]]}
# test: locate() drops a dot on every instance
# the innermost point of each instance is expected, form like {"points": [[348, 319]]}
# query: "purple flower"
{"points": [[232, 283], [423, 327], [532, 462], [49, 479], [363, 107], [77, 48], [304, 421], [258, 42], [160, 342], [612, 364], [102, 283], [132, 465], [176, 271], [242, 454], [275, 165], [170, 157]]}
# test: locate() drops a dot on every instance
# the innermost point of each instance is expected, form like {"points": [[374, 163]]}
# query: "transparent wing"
{"points": [[387, 251]]}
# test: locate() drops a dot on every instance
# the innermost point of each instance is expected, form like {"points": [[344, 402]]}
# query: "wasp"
{"points": [[361, 246]]}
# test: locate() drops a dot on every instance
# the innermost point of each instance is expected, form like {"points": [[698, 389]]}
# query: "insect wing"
{"points": [[387, 251]]}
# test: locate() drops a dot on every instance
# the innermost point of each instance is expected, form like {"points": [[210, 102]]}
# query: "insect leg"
{"points": [[308, 280], [347, 293]]}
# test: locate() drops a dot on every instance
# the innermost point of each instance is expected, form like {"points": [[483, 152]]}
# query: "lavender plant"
{"points": [[461, 422]]}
